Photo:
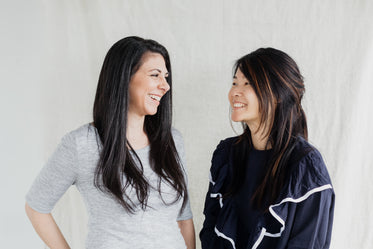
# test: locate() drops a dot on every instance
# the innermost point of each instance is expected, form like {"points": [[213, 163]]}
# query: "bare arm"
{"points": [[47, 229], [187, 230]]}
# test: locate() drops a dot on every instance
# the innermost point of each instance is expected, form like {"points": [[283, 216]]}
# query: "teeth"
{"points": [[157, 98], [238, 105]]}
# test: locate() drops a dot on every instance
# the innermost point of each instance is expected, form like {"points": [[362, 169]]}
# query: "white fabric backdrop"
{"points": [[52, 51]]}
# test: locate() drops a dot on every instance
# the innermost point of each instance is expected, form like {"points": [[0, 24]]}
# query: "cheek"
{"points": [[251, 96], [255, 100], [132, 94], [230, 96], [136, 98]]}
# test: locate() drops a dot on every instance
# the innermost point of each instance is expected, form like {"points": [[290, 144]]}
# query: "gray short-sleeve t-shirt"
{"points": [[109, 225]]}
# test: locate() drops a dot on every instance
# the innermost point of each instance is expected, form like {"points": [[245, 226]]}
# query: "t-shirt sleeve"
{"points": [[57, 175], [186, 213]]}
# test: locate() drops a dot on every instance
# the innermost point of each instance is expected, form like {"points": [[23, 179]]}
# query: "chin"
{"points": [[151, 112], [236, 119]]}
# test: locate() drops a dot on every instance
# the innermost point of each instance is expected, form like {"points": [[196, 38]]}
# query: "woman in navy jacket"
{"points": [[269, 188]]}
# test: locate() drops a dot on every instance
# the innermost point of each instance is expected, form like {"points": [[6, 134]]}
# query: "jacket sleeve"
{"points": [[312, 222], [212, 207], [211, 211]]}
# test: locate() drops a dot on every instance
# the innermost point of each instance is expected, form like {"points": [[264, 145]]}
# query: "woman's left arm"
{"points": [[312, 222], [187, 230]]}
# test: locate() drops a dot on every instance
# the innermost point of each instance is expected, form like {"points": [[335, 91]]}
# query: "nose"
{"points": [[164, 86], [235, 92]]}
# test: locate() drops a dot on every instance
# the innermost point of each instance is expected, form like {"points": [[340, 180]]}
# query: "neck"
{"points": [[259, 137], [136, 135]]}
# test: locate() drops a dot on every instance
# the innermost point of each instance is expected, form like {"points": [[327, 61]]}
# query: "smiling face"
{"points": [[244, 101], [148, 85]]}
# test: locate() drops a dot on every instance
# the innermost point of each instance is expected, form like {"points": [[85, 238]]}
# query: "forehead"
{"points": [[152, 60], [239, 75]]}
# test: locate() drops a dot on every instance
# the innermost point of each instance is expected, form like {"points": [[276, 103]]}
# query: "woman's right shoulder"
{"points": [[222, 152], [220, 162], [225, 146], [84, 134]]}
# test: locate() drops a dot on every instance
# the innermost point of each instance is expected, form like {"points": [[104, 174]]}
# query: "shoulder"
{"points": [[223, 149], [307, 159], [81, 136], [179, 144], [83, 131], [178, 140], [220, 161], [307, 169], [176, 135]]}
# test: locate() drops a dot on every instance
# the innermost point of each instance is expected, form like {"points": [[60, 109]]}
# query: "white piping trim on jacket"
{"points": [[210, 179], [225, 237], [278, 218], [215, 195], [262, 233]]}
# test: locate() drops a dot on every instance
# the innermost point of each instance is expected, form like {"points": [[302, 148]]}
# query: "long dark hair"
{"points": [[110, 119], [279, 87]]}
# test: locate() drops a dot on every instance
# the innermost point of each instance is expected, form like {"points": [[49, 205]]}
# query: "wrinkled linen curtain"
{"points": [[52, 51]]}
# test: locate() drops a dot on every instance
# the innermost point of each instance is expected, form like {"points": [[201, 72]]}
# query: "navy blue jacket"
{"points": [[302, 216]]}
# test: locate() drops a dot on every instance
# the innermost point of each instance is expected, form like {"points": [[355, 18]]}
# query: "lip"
{"points": [[238, 102], [243, 105], [159, 95], [155, 100]]}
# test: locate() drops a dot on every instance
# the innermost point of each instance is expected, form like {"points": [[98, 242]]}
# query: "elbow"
{"points": [[187, 231], [186, 225], [29, 211]]}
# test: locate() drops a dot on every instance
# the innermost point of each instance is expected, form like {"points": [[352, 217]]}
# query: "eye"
{"points": [[247, 83], [154, 75], [234, 84]]}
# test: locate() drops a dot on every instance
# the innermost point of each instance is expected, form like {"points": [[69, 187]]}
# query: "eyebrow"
{"points": [[158, 70], [234, 77]]}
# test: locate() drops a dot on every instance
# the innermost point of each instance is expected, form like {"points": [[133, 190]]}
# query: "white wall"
{"points": [[51, 53]]}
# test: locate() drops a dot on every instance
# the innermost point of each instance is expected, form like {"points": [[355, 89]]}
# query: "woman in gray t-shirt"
{"points": [[128, 164]]}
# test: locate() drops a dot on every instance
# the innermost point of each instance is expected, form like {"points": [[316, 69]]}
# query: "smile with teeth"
{"points": [[238, 105], [155, 97]]}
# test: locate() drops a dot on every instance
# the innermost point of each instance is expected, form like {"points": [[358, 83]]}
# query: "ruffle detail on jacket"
{"points": [[226, 223], [309, 176]]}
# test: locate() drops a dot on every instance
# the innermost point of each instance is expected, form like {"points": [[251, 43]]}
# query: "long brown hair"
{"points": [[279, 87], [110, 118]]}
